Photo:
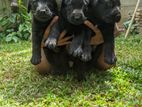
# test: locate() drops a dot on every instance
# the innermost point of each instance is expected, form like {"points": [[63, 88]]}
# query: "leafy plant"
{"points": [[16, 26], [133, 30]]}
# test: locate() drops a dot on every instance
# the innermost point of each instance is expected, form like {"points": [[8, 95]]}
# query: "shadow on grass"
{"points": [[27, 86]]}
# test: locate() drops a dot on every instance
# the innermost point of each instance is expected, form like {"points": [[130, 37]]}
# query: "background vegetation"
{"points": [[15, 26]]}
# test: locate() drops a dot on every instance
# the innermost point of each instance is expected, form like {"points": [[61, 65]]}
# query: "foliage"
{"points": [[121, 86], [133, 29], [16, 26]]}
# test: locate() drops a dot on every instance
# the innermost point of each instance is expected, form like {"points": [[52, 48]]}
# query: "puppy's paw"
{"points": [[72, 48], [51, 43], [110, 59], [109, 54], [86, 57], [36, 59], [78, 52]]}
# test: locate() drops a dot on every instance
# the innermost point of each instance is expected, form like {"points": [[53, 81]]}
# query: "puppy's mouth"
{"points": [[43, 18], [76, 22]]}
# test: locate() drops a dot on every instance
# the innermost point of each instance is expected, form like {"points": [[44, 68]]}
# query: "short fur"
{"points": [[43, 11], [105, 13], [72, 17]]}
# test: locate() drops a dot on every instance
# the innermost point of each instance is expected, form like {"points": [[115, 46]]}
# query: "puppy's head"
{"points": [[42, 10], [108, 10], [76, 10]]}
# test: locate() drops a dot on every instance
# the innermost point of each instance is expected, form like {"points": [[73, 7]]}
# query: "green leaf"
{"points": [[15, 38], [8, 39]]}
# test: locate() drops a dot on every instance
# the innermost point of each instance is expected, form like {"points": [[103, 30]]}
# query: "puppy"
{"points": [[105, 13], [72, 17], [43, 11]]}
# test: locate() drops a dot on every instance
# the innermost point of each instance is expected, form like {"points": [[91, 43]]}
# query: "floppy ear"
{"points": [[95, 2], [28, 6]]}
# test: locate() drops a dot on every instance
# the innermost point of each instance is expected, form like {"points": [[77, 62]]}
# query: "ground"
{"points": [[22, 86]]}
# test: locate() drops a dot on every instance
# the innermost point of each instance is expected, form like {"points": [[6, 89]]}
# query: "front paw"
{"points": [[36, 59], [110, 59], [51, 43], [109, 53], [86, 57], [78, 52]]}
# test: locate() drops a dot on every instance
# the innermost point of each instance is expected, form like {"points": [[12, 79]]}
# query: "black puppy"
{"points": [[73, 15], [43, 11], [105, 13]]}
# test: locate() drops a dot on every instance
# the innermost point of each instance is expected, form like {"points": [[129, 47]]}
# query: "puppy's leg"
{"points": [[86, 55], [109, 43], [36, 47], [75, 48], [51, 42]]}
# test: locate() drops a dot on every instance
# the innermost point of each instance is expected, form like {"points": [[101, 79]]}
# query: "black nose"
{"points": [[43, 11], [77, 16], [118, 17]]}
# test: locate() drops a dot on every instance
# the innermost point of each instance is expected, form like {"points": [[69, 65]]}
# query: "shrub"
{"points": [[16, 26]]}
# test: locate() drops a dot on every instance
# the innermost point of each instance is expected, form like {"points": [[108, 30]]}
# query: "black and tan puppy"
{"points": [[105, 13], [72, 17], [43, 11]]}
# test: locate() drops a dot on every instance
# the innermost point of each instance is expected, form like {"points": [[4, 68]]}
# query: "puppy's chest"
{"points": [[38, 26], [70, 26]]}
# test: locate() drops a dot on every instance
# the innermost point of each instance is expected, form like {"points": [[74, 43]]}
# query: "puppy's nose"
{"points": [[43, 11], [77, 16], [117, 17]]}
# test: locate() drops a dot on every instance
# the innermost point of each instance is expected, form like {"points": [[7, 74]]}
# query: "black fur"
{"points": [[43, 11], [105, 13], [60, 59], [72, 17]]}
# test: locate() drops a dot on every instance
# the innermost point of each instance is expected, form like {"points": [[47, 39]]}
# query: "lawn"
{"points": [[22, 86]]}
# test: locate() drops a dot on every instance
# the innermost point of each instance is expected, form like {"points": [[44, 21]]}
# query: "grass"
{"points": [[22, 86]]}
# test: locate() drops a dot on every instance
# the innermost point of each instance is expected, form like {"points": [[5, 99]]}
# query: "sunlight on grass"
{"points": [[22, 86]]}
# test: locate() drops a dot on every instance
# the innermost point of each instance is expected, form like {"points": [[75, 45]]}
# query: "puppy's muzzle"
{"points": [[116, 14], [117, 17], [43, 12], [77, 17]]}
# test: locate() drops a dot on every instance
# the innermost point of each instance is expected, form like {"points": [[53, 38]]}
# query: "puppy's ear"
{"points": [[28, 6], [95, 2]]}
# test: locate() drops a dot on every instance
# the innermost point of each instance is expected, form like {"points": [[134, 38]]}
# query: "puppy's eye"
{"points": [[109, 4]]}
